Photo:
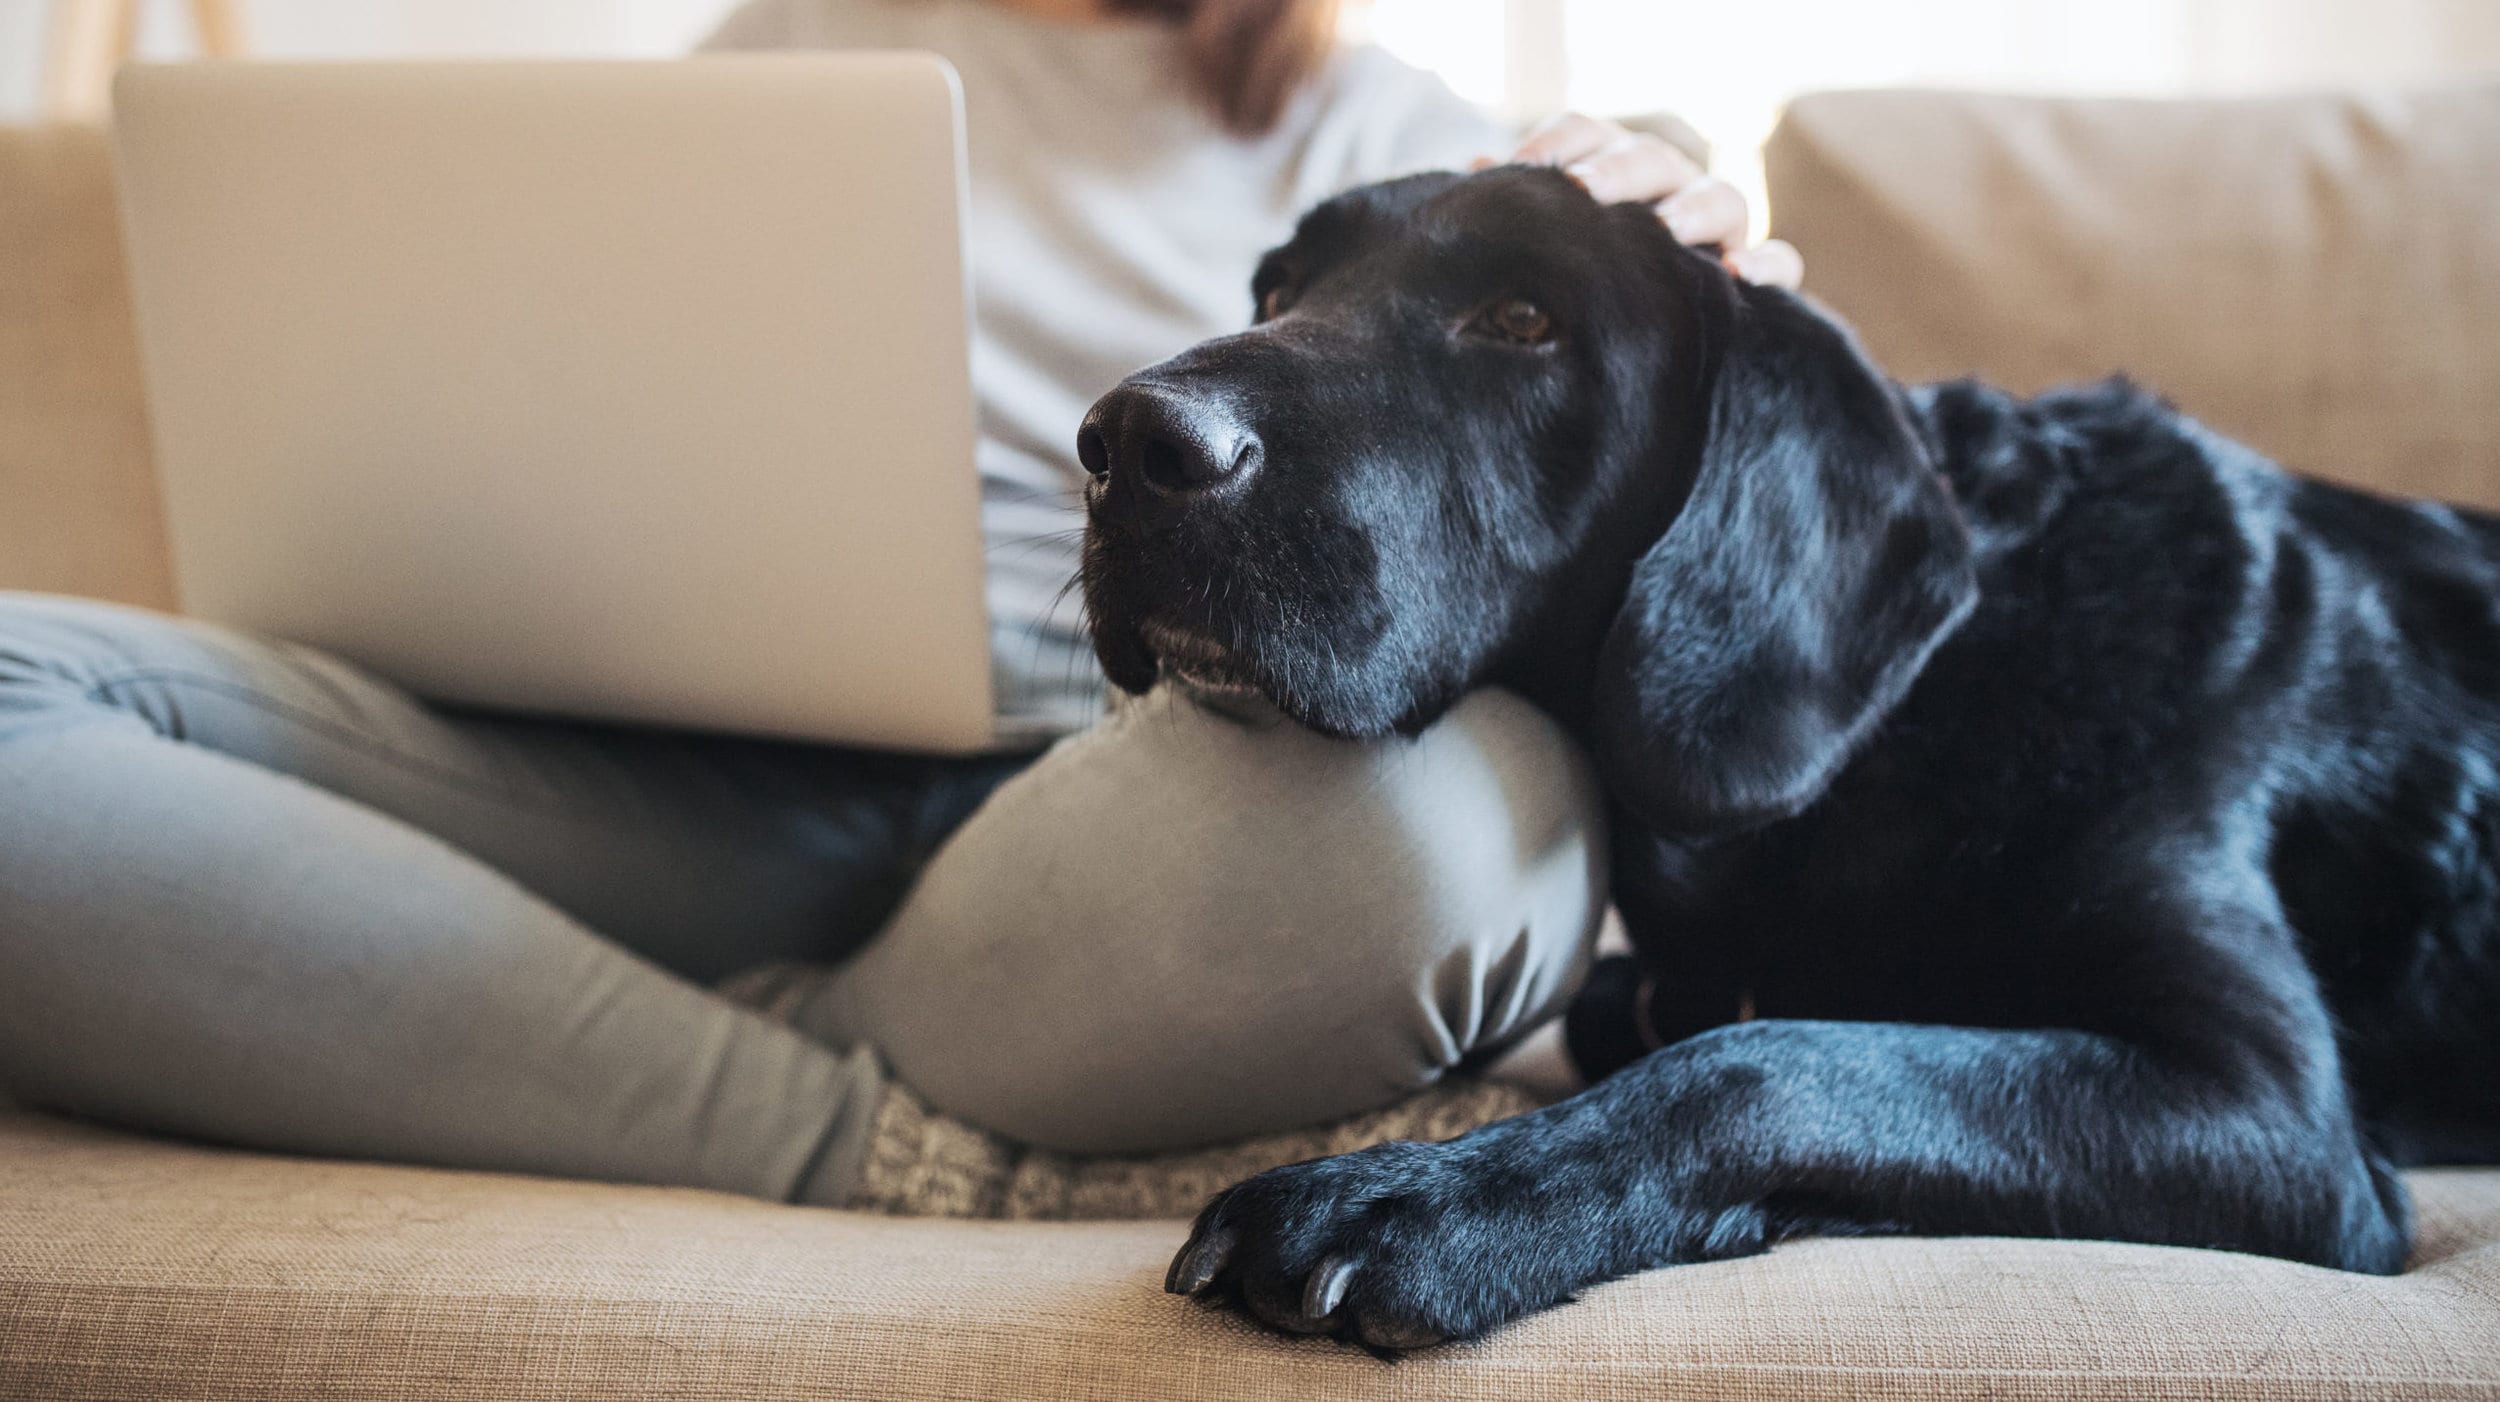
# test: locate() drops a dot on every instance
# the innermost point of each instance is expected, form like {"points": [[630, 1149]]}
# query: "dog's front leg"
{"points": [[1722, 1144]]}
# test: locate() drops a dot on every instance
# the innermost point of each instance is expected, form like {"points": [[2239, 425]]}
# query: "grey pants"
{"points": [[250, 894]]}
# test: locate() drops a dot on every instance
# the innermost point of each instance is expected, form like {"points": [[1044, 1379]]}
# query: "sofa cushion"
{"points": [[2318, 276], [75, 465], [136, 1268]]}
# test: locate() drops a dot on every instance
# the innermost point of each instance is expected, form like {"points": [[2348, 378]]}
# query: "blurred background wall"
{"points": [[1725, 66], [1728, 66], [380, 29]]}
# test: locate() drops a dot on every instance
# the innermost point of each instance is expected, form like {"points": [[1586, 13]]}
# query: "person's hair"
{"points": [[1248, 58]]}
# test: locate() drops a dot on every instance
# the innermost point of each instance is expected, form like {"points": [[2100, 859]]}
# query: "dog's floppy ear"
{"points": [[1815, 564]]}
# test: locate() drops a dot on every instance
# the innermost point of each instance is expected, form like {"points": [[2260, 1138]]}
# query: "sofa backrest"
{"points": [[78, 500], [2318, 276]]}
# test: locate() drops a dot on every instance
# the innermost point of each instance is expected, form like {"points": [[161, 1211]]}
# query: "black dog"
{"points": [[2099, 822]]}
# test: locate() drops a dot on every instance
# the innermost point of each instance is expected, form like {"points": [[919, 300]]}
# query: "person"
{"points": [[251, 894]]}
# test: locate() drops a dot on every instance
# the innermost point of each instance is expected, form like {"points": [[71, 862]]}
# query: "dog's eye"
{"points": [[1518, 319]]}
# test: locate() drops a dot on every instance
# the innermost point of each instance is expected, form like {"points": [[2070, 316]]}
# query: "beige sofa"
{"points": [[2318, 276]]}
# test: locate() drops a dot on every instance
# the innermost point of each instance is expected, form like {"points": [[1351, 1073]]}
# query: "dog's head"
{"points": [[1488, 430]]}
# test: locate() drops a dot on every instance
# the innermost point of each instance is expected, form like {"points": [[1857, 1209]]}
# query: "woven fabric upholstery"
{"points": [[2316, 276], [138, 1269]]}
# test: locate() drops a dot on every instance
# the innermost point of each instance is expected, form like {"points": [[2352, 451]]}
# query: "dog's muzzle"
{"points": [[1164, 447]]}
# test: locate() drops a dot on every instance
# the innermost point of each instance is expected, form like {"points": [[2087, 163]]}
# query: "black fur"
{"points": [[2098, 821]]}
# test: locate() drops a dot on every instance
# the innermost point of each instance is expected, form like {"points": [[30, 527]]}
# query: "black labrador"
{"points": [[2096, 823]]}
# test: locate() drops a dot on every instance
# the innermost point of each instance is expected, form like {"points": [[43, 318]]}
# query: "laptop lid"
{"points": [[631, 391]]}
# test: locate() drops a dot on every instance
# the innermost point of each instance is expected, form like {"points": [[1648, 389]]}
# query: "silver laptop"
{"points": [[630, 391]]}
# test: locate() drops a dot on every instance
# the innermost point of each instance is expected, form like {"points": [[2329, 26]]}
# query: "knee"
{"points": [[80, 660], [1190, 925], [52, 653]]}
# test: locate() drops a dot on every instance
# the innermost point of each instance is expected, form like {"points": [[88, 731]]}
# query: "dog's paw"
{"points": [[1399, 1246]]}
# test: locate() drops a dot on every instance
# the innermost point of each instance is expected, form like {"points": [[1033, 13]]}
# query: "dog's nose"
{"points": [[1167, 440]]}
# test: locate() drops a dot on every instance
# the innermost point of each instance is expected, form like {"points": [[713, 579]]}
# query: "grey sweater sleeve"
{"points": [[1415, 121]]}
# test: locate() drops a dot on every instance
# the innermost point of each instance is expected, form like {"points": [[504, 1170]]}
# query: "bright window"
{"points": [[1727, 66]]}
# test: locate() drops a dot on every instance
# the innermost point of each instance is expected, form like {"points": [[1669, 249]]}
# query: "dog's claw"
{"points": [[1327, 1287], [1199, 1262]]}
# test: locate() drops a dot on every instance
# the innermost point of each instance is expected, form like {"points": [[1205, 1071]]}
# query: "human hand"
{"points": [[1617, 164]]}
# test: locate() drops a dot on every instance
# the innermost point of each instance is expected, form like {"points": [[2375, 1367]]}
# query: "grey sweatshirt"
{"points": [[1114, 223]]}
